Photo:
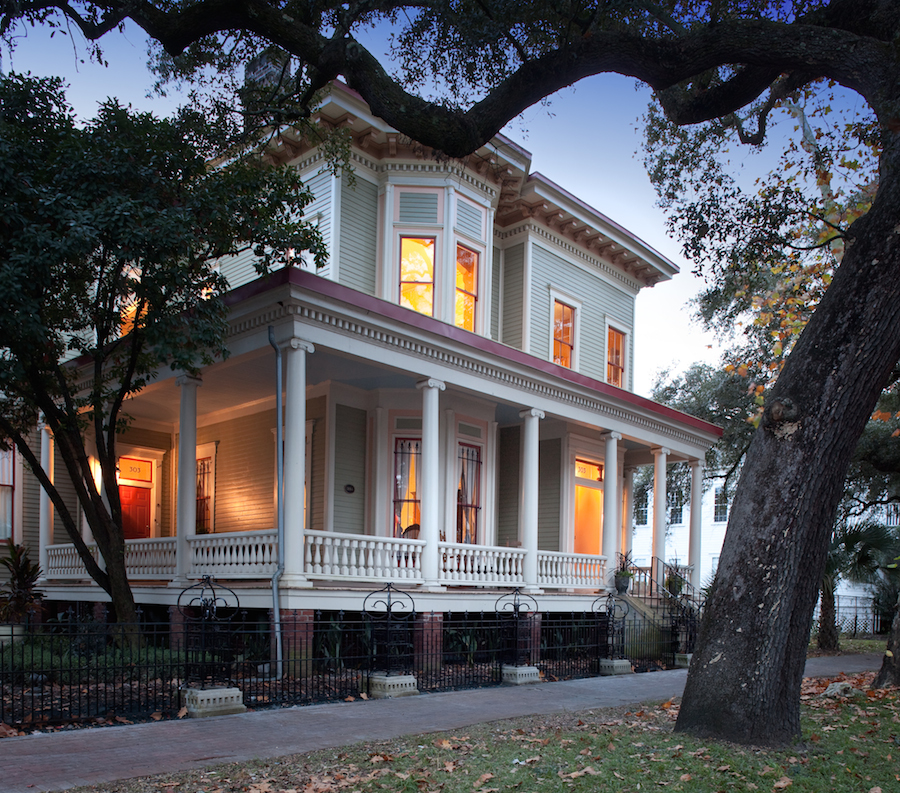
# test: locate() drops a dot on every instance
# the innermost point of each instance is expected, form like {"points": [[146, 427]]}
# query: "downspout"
{"points": [[279, 505]]}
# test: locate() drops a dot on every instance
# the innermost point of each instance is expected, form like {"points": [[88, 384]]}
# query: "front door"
{"points": [[135, 511]]}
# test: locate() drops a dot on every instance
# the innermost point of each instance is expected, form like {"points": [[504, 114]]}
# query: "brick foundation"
{"points": [[428, 641]]}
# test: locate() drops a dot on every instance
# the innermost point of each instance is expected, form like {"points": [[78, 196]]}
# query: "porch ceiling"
{"points": [[250, 379]]}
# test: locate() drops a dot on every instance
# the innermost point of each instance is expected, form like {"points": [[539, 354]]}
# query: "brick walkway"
{"points": [[61, 760]]}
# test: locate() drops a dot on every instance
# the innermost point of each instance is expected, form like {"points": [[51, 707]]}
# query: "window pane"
{"points": [[721, 506], [204, 495], [468, 493], [615, 357], [417, 274], [406, 487], [466, 287], [563, 333]]}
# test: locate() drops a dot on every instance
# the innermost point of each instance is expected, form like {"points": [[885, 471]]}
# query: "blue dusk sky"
{"points": [[587, 140]]}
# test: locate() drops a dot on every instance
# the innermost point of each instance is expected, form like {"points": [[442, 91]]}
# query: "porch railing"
{"points": [[350, 556], [571, 570], [338, 556], [480, 564]]}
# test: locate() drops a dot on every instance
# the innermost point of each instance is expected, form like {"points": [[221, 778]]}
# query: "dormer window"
{"points": [[417, 274]]}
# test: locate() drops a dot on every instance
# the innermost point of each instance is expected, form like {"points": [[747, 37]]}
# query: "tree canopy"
{"points": [[463, 68], [109, 234]]}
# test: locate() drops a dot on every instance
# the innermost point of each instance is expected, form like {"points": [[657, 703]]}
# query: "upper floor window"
{"points": [[417, 274], [720, 512], [466, 287], [615, 358], [563, 334]]}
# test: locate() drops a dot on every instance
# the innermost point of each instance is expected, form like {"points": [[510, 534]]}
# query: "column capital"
{"points": [[431, 382], [657, 450], [701, 464], [524, 414], [611, 436], [189, 379], [300, 344]]}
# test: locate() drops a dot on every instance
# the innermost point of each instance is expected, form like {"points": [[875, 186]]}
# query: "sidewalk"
{"points": [[61, 760]]}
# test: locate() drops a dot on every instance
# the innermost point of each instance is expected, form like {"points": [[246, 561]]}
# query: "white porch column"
{"points": [[660, 456], [430, 478], [186, 503], [611, 526], [528, 494], [45, 513], [696, 521], [294, 494], [628, 511]]}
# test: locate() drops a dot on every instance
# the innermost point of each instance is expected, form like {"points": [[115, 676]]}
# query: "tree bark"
{"points": [[745, 677], [889, 674]]}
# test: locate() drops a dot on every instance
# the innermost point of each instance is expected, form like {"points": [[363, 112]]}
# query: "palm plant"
{"points": [[857, 553]]}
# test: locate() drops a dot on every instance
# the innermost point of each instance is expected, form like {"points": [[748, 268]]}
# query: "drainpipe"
{"points": [[279, 505]]}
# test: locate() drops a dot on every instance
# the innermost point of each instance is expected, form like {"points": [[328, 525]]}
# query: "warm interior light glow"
{"points": [[417, 274], [466, 287], [588, 516], [563, 333], [615, 358]]}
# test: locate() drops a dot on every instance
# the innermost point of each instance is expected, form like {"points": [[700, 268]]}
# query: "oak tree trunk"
{"points": [[744, 680]]}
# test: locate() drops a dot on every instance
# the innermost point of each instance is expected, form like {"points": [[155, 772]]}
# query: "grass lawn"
{"points": [[851, 744]]}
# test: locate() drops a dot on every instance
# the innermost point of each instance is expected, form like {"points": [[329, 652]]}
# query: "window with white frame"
{"points": [[615, 357], [206, 488], [563, 334], [640, 509], [7, 490], [720, 509], [468, 493], [676, 508], [466, 287], [417, 274], [407, 501]]}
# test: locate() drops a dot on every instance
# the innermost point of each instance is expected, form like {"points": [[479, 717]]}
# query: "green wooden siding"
{"points": [[513, 294], [359, 232], [508, 486], [350, 469], [495, 295], [599, 300], [549, 460], [418, 208], [470, 220]]}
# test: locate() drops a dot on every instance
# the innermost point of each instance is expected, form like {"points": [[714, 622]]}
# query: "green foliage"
{"points": [[18, 596], [109, 236]]}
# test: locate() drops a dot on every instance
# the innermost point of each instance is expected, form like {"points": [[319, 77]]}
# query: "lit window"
{"points": [[563, 333], [407, 506], [466, 287], [7, 483], [417, 274], [468, 493], [204, 495], [720, 513], [615, 358]]}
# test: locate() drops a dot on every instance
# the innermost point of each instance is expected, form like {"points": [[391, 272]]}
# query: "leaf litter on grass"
{"points": [[850, 743]]}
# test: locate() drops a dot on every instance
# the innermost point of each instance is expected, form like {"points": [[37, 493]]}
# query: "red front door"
{"points": [[135, 511]]}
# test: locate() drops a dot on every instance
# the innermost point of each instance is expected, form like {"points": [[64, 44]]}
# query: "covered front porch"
{"points": [[413, 453]]}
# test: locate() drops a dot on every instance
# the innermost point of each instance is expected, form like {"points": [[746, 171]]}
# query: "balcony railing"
{"points": [[340, 557]]}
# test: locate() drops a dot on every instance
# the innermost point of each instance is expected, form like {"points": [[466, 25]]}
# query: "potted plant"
{"points": [[623, 574], [674, 584], [18, 596]]}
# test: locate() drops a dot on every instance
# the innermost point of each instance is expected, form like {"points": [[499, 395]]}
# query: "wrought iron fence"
{"points": [[72, 669]]}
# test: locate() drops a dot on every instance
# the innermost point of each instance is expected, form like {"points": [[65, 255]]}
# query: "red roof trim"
{"points": [[375, 305]]}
